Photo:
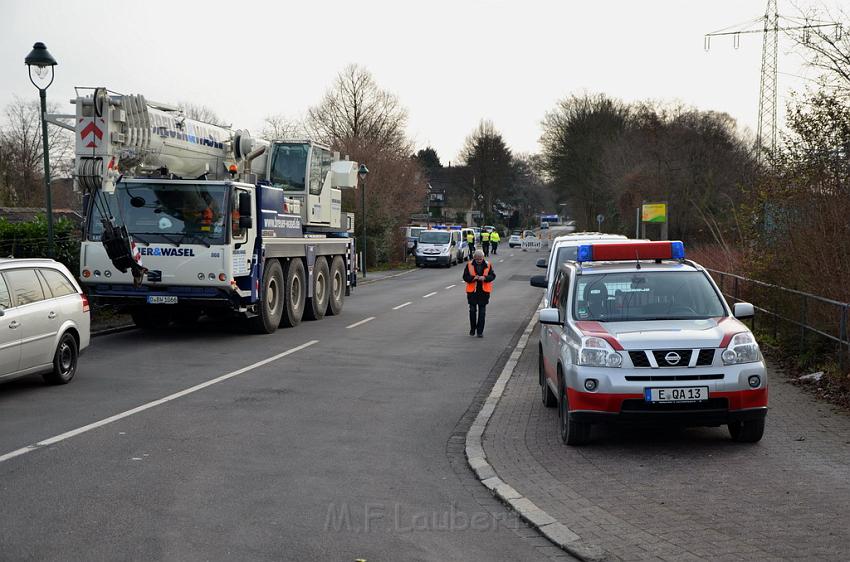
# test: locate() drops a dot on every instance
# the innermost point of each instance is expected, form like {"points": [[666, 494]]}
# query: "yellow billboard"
{"points": [[654, 212]]}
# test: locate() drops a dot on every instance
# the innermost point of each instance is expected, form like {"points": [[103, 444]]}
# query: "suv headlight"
{"points": [[596, 352], [741, 349]]}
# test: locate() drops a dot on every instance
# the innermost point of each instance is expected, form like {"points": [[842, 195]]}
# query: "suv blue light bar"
{"points": [[630, 251]]}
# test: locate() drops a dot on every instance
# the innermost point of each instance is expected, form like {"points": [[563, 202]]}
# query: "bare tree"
{"points": [[21, 153], [202, 113], [279, 126], [827, 48], [490, 163], [355, 110]]}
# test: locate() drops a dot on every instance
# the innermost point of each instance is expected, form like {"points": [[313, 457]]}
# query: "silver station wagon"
{"points": [[44, 320]]}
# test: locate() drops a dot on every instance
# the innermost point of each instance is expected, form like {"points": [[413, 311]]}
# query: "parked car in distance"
{"points": [[515, 239], [438, 247], [564, 248], [411, 238], [44, 320]]}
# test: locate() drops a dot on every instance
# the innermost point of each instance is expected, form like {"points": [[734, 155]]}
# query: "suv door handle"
{"points": [[14, 324], [51, 315]]}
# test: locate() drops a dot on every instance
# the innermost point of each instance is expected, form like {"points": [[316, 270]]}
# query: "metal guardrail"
{"points": [[824, 317]]}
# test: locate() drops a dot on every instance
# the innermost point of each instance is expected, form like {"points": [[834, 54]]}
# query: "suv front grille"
{"points": [[667, 357], [668, 378]]}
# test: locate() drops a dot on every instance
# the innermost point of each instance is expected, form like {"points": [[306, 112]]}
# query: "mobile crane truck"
{"points": [[184, 218]]}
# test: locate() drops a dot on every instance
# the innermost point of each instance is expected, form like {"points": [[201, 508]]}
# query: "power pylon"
{"points": [[771, 25]]}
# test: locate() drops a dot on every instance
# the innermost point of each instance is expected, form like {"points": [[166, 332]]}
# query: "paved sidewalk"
{"points": [[683, 494]]}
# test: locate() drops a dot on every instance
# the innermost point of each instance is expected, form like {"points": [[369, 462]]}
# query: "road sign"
{"points": [[654, 212], [531, 243]]}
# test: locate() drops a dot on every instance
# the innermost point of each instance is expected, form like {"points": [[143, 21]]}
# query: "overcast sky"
{"points": [[451, 63]]}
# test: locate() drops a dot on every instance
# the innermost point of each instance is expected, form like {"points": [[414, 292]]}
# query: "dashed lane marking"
{"points": [[429, 295], [149, 405], [401, 305], [500, 261], [359, 323], [450, 286]]}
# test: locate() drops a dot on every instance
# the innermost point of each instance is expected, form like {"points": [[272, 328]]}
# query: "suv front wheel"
{"points": [[749, 431], [573, 432]]}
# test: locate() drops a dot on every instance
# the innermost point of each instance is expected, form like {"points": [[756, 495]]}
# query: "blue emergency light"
{"points": [[633, 250]]}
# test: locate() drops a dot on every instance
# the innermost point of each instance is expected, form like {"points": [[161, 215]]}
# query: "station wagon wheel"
{"points": [[64, 361]]}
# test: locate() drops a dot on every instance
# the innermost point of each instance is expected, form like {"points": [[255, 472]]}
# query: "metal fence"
{"points": [[811, 314]]}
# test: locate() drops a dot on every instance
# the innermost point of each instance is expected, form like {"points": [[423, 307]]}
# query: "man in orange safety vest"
{"points": [[478, 275]]}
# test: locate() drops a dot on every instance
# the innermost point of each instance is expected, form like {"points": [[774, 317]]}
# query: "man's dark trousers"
{"points": [[477, 314]]}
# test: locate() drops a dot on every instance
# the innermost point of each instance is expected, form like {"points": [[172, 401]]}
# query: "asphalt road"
{"points": [[338, 450]]}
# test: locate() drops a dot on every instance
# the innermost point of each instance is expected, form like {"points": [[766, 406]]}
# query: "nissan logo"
{"points": [[672, 358]]}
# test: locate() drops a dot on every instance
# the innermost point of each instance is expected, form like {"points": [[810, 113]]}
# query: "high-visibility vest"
{"points": [[470, 237], [206, 219], [485, 236], [494, 237], [487, 286]]}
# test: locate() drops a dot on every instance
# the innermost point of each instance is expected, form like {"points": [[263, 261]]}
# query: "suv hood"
{"points": [[666, 334]]}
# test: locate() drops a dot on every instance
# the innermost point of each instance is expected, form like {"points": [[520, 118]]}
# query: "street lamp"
{"points": [[363, 172], [43, 62]]}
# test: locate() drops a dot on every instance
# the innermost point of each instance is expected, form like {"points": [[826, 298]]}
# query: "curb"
{"points": [[370, 281], [115, 330], [559, 534]]}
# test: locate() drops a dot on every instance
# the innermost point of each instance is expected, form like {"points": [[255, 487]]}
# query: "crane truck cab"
{"points": [[184, 217]]}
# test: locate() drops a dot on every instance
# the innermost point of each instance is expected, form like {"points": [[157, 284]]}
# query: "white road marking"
{"points": [[449, 287], [359, 323], [149, 405], [401, 305], [500, 261], [510, 255], [429, 295]]}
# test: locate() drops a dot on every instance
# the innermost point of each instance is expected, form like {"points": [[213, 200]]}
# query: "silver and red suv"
{"points": [[634, 332]]}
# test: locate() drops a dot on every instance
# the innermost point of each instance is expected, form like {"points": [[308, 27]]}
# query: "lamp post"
{"points": [[43, 62], [363, 172]]}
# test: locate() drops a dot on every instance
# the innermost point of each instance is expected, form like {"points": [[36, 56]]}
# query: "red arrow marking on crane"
{"points": [[89, 129]]}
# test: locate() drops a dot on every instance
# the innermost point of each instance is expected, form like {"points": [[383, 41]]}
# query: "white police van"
{"points": [[634, 332]]}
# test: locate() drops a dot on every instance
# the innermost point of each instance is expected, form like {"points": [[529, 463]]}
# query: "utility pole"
{"points": [[771, 24]]}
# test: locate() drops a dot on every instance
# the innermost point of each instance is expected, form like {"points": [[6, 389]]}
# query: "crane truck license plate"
{"points": [[161, 299], [677, 394]]}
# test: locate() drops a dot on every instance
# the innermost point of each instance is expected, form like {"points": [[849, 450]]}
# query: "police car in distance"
{"points": [[634, 332]]}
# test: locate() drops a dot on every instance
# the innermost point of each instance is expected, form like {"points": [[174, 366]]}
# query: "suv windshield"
{"points": [[430, 237], [414, 232], [657, 295], [165, 212]]}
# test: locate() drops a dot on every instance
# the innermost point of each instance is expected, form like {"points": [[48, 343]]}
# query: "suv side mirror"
{"points": [[539, 281], [743, 310], [542, 263], [550, 316], [245, 211]]}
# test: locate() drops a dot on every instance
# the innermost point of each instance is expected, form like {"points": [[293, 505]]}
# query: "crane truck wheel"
{"points": [[296, 293], [270, 307], [336, 293], [318, 303]]}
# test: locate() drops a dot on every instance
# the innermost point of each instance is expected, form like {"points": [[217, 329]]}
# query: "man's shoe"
{"points": [[480, 335], [472, 332]]}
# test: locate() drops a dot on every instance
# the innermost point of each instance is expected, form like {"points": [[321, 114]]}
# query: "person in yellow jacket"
{"points": [[470, 240], [494, 241], [478, 275], [485, 242]]}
